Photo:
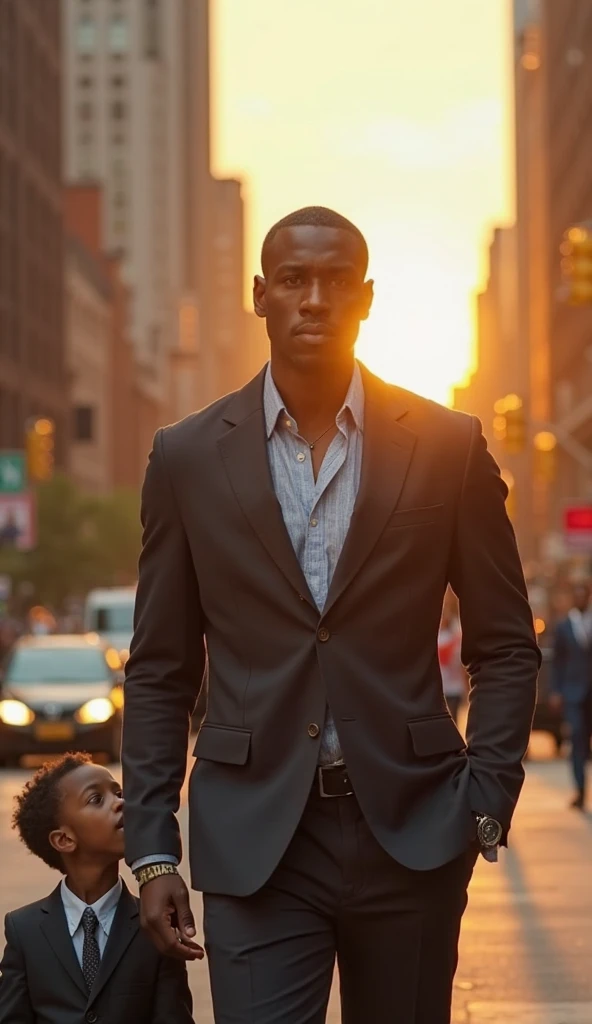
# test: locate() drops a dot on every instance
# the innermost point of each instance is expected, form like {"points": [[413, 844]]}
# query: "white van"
{"points": [[109, 612]]}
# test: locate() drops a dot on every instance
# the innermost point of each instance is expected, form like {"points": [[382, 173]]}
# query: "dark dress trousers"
{"points": [[218, 569], [41, 980]]}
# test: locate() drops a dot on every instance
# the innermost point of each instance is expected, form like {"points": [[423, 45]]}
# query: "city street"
{"points": [[527, 941]]}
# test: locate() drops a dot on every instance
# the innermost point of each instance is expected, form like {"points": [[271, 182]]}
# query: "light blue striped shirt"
{"points": [[317, 513]]}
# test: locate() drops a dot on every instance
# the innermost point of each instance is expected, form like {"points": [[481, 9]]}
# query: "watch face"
{"points": [[490, 832]]}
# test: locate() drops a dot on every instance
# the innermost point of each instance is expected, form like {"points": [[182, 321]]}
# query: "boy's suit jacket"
{"points": [[41, 980]]}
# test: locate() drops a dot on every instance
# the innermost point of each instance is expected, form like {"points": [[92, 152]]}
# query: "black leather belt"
{"points": [[333, 780]]}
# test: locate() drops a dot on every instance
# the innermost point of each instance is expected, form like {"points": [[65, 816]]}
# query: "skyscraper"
{"points": [[136, 104], [33, 378]]}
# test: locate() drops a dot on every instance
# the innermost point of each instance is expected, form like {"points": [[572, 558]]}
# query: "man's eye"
{"points": [[293, 280], [339, 282]]}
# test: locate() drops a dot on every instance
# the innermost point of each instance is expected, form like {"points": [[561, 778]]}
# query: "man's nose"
{"points": [[315, 300]]}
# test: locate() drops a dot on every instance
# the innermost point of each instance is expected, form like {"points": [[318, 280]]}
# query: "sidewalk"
{"points": [[526, 947]]}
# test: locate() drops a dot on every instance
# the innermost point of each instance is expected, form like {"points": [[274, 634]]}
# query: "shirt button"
{"points": [[313, 730], [323, 634], [301, 456], [314, 522]]}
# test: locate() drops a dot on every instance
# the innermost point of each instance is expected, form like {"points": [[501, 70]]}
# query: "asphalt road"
{"points": [[526, 948]]}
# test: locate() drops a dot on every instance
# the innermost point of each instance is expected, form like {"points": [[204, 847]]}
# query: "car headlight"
{"points": [[14, 712], [95, 711], [116, 697]]}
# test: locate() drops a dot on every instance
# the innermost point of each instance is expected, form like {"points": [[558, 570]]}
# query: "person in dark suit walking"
{"points": [[79, 955], [304, 530], [571, 682]]}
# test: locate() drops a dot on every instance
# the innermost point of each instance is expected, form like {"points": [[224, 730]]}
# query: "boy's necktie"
{"points": [[91, 955]]}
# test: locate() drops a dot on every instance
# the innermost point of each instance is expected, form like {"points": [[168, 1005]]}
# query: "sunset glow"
{"points": [[395, 114]]}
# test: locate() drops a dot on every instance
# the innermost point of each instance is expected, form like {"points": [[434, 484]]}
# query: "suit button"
{"points": [[91, 1017], [323, 634], [313, 730]]}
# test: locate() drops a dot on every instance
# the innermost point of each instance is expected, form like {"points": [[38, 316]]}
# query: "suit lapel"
{"points": [[244, 453], [124, 928], [388, 447], [55, 928]]}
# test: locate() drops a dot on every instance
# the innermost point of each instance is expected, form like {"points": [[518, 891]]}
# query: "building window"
{"points": [[86, 35], [83, 423], [118, 34], [118, 81], [85, 111], [85, 83], [118, 110], [152, 29]]}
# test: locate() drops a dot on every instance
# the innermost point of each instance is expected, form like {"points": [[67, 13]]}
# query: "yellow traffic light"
{"points": [[40, 447], [576, 264], [509, 424], [545, 455]]}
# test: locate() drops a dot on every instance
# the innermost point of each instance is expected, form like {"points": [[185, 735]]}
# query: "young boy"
{"points": [[79, 955]]}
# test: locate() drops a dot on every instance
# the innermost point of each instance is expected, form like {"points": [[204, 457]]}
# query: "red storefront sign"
{"points": [[577, 527]]}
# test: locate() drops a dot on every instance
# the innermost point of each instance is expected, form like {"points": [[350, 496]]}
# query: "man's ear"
{"points": [[367, 299], [63, 840], [259, 300]]}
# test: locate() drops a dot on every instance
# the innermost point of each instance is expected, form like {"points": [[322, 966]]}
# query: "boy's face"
{"points": [[91, 816]]}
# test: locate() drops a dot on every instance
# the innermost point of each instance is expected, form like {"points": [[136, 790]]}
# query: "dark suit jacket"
{"points": [[217, 562], [41, 980], [572, 664]]}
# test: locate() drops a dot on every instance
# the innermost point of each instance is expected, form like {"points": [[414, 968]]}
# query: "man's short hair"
{"points": [[318, 217], [37, 810]]}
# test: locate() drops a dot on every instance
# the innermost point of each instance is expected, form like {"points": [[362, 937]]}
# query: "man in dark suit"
{"points": [[79, 955], [572, 683], [305, 529]]}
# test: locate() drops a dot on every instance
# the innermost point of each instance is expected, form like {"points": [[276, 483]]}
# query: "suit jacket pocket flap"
{"points": [[222, 743], [415, 516], [437, 735]]}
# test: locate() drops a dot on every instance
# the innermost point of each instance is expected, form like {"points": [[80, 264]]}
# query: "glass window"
{"points": [[57, 665], [83, 423], [86, 35], [116, 619], [118, 34], [118, 110]]}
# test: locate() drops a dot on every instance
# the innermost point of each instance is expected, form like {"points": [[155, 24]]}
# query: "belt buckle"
{"points": [[322, 791]]}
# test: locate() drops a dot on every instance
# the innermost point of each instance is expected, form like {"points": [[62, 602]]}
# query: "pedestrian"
{"points": [[305, 529], [79, 955], [454, 680], [571, 683]]}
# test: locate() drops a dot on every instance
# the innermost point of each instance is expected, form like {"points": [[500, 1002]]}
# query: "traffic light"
{"points": [[545, 455], [40, 446], [509, 424], [576, 264]]}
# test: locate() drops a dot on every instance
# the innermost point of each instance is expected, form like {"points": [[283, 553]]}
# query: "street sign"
{"points": [[18, 527], [13, 472], [577, 528]]}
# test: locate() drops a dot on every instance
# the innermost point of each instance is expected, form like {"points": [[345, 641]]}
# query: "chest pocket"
{"points": [[425, 516]]}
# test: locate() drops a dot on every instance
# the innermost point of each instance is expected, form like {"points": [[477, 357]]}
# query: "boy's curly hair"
{"points": [[36, 813]]}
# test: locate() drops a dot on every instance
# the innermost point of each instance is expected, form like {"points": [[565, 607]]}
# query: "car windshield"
{"points": [[116, 619], [57, 665]]}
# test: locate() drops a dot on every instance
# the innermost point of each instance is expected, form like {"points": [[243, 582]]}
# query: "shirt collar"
{"points": [[104, 907], [273, 404]]}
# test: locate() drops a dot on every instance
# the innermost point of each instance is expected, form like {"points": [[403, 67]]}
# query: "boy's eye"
{"points": [[96, 798]]}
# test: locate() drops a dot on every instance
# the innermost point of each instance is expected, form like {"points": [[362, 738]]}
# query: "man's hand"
{"points": [[166, 916]]}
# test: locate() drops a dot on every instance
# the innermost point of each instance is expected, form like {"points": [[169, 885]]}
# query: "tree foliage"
{"points": [[84, 541]]}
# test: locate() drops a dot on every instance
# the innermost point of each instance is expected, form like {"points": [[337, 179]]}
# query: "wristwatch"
{"points": [[489, 831], [151, 871]]}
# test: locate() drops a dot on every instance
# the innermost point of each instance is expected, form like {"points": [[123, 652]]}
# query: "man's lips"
{"points": [[315, 329], [119, 825]]}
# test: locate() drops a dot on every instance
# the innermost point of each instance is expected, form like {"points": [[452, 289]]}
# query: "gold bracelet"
{"points": [[151, 871]]}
